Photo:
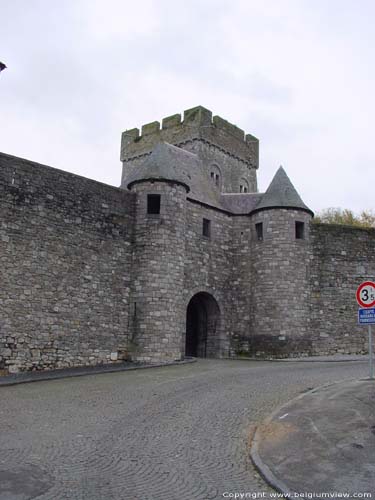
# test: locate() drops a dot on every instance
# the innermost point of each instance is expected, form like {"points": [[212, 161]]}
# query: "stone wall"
{"points": [[208, 268], [88, 277], [65, 273], [297, 297], [233, 171], [280, 293], [159, 259], [342, 258], [241, 285]]}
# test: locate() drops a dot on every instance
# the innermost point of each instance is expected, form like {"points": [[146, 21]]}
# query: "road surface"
{"points": [[172, 433]]}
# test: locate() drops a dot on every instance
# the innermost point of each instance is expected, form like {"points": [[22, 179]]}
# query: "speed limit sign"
{"points": [[366, 299], [366, 294]]}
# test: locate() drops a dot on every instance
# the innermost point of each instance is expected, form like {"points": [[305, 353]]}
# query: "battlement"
{"points": [[197, 124]]}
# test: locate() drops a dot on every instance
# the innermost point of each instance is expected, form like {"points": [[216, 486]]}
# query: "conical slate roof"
{"points": [[281, 194], [167, 163]]}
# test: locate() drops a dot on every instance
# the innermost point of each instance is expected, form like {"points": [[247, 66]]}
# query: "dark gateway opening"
{"points": [[202, 326]]}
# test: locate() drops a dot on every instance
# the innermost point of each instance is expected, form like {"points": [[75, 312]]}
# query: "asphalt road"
{"points": [[173, 433]]}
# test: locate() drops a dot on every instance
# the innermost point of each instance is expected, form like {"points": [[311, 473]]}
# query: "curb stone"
{"points": [[258, 463], [39, 376], [309, 359]]}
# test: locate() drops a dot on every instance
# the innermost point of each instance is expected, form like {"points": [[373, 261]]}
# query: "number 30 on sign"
{"points": [[366, 294]]}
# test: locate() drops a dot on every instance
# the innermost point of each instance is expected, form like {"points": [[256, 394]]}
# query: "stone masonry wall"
{"points": [[280, 294], [241, 285], [342, 258], [232, 170], [65, 273], [208, 268], [88, 277], [159, 257]]}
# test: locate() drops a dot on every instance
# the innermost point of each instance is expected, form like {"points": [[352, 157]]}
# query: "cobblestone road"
{"points": [[174, 433]]}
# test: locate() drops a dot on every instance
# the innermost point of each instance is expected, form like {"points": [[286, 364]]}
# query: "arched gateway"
{"points": [[202, 326]]}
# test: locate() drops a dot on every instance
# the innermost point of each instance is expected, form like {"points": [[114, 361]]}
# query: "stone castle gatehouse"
{"points": [[185, 258]]}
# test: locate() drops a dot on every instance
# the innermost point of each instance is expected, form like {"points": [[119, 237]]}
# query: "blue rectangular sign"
{"points": [[366, 316]]}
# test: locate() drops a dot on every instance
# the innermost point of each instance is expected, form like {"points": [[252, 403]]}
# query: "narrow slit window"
{"points": [[259, 230], [206, 228], [215, 177], [153, 204], [300, 230], [244, 186]]}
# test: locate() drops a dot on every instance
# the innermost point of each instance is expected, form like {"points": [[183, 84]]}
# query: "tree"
{"points": [[346, 217]]}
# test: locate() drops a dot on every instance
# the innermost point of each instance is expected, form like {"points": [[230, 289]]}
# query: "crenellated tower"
{"points": [[185, 174], [228, 156]]}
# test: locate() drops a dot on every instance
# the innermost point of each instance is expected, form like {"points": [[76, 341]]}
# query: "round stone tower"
{"points": [[158, 316], [280, 257]]}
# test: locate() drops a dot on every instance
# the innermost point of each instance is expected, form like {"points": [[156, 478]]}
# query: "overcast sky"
{"points": [[298, 74]]}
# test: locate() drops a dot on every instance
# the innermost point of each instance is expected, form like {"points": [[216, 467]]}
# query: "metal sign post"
{"points": [[366, 316], [371, 361]]}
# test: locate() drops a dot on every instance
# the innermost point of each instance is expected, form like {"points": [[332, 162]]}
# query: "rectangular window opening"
{"points": [[300, 230], [206, 228], [153, 203], [259, 230]]}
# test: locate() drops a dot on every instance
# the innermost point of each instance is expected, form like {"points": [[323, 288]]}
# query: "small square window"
{"points": [[153, 204], [259, 230], [206, 228], [300, 230]]}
